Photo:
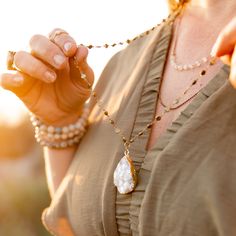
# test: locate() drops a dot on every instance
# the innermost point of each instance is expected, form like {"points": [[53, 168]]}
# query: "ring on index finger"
{"points": [[56, 33], [10, 60]]}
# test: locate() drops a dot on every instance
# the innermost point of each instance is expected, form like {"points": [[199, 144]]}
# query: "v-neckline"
{"points": [[191, 104]]}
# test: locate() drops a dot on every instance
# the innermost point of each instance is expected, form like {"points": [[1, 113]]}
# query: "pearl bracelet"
{"points": [[60, 137]]}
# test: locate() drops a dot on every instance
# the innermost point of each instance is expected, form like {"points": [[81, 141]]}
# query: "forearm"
{"points": [[57, 162]]}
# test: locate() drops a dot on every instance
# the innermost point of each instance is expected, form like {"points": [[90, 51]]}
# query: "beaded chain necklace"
{"points": [[185, 67], [125, 174]]}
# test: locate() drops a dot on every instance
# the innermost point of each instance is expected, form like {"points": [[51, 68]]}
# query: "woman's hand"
{"points": [[47, 80], [225, 47]]}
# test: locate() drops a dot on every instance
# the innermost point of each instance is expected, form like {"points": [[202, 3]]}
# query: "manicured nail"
{"points": [[18, 80], [59, 60], [214, 50], [50, 76], [67, 46]]}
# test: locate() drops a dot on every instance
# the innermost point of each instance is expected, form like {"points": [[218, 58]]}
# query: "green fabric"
{"points": [[187, 181]]}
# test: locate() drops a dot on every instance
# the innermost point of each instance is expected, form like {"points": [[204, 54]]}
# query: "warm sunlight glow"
{"points": [[89, 21]]}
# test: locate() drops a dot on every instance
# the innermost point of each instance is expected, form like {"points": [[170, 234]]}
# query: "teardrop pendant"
{"points": [[125, 175]]}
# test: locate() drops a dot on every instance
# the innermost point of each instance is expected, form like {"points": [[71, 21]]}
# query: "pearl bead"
{"points": [[43, 127], [57, 136], [64, 136], [70, 135], [51, 129], [65, 129], [63, 144], [71, 127]]}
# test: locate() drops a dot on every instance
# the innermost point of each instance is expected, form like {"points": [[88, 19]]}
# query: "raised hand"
{"points": [[225, 47], [46, 79]]}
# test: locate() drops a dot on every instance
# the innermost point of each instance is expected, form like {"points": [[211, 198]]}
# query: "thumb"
{"points": [[226, 40]]}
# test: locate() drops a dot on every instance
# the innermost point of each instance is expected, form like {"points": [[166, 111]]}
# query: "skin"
{"points": [[63, 93], [217, 36]]}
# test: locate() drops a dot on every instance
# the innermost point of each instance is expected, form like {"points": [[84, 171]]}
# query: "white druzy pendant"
{"points": [[125, 176]]}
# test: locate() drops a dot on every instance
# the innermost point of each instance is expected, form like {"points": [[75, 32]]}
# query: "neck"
{"points": [[212, 8]]}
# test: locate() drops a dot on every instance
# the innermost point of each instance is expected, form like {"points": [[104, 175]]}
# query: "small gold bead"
{"points": [[131, 141], [124, 139], [112, 122], [213, 61], [140, 133], [117, 131], [176, 101], [167, 109], [94, 94]]}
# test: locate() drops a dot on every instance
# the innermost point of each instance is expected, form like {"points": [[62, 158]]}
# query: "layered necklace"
{"points": [[125, 175]]}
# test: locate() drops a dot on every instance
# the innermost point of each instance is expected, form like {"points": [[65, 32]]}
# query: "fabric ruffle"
{"points": [[126, 213]]}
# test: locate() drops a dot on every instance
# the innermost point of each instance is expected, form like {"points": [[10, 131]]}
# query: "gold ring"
{"points": [[10, 60], [56, 33]]}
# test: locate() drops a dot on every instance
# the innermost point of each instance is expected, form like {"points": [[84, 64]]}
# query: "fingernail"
{"points": [[214, 50], [18, 80], [67, 46], [50, 76], [59, 60]]}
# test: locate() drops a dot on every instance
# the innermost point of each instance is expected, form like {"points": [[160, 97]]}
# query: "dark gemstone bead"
{"points": [[106, 113], [194, 82], [203, 72], [149, 126], [158, 118]]}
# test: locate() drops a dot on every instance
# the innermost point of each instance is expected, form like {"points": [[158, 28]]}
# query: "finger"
{"points": [[33, 67], [47, 51], [11, 81], [226, 59], [232, 76], [18, 83], [63, 40], [81, 61], [226, 40]]}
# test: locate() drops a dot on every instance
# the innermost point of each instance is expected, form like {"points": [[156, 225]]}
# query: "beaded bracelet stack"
{"points": [[60, 137]]}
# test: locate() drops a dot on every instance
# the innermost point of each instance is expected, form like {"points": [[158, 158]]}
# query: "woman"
{"points": [[185, 164]]}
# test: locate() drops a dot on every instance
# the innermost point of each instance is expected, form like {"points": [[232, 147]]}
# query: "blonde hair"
{"points": [[175, 4]]}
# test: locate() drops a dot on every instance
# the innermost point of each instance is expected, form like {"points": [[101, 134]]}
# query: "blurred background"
{"points": [[23, 189]]}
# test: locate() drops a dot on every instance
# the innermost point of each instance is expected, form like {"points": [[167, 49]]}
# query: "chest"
{"points": [[178, 85]]}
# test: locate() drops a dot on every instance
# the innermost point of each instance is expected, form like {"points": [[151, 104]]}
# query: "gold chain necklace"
{"points": [[125, 174]]}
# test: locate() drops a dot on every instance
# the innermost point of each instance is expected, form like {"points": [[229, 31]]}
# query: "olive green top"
{"points": [[187, 181]]}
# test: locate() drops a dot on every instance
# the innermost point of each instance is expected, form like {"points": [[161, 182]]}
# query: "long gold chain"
{"points": [[174, 105]]}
